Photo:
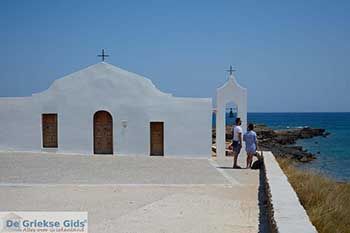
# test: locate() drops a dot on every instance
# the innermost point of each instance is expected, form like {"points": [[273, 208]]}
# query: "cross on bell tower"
{"points": [[103, 55], [231, 70]]}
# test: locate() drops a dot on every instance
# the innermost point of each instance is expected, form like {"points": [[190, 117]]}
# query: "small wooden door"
{"points": [[49, 129], [103, 133], [157, 138]]}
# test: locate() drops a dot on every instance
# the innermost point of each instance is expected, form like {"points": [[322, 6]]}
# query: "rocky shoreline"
{"points": [[282, 142]]}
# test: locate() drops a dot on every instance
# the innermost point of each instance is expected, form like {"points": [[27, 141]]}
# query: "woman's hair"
{"points": [[250, 126]]}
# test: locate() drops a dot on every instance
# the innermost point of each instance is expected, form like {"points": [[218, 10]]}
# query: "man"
{"points": [[237, 141]]}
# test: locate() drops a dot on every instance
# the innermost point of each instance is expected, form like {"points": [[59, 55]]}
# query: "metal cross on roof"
{"points": [[103, 55], [231, 70]]}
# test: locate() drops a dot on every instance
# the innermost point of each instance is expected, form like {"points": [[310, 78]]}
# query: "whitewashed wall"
{"points": [[127, 96]]}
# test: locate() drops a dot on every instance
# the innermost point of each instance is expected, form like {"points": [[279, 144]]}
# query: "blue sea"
{"points": [[334, 151]]}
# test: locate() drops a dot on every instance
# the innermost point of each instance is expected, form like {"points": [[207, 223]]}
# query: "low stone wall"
{"points": [[288, 215]]}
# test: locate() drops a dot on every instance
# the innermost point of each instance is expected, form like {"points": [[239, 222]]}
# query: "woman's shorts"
{"points": [[250, 151], [236, 147]]}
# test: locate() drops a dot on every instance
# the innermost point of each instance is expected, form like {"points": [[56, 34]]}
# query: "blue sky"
{"points": [[291, 55]]}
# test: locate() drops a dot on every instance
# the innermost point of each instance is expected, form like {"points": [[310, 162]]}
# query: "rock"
{"points": [[306, 159], [280, 141]]}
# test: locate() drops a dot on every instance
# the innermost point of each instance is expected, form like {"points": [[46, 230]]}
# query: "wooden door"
{"points": [[103, 133], [157, 138], [49, 130]]}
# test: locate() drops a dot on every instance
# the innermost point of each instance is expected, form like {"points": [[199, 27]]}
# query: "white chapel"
{"points": [[103, 109]]}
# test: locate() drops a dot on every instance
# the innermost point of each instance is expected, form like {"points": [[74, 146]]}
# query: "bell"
{"points": [[231, 113]]}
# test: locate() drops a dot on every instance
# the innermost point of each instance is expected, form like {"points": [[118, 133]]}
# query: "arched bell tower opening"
{"points": [[231, 111]]}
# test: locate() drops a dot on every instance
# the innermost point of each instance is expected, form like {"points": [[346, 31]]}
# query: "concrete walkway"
{"points": [[134, 194]]}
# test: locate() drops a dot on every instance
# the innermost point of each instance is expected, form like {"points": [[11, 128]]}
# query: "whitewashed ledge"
{"points": [[288, 215]]}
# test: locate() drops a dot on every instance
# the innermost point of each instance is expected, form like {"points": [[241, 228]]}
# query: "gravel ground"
{"points": [[134, 194]]}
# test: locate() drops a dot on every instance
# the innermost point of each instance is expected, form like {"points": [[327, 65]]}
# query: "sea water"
{"points": [[332, 152]]}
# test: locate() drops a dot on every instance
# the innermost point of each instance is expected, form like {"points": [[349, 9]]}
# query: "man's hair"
{"points": [[250, 126], [238, 120]]}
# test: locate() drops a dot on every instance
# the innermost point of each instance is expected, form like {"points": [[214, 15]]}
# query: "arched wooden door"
{"points": [[103, 133]]}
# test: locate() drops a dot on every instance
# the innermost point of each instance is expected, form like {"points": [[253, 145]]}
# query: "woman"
{"points": [[251, 144]]}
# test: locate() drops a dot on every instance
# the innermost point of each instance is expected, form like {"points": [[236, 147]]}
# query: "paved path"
{"points": [[134, 194]]}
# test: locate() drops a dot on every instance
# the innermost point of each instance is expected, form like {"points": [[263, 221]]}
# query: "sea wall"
{"points": [[287, 214]]}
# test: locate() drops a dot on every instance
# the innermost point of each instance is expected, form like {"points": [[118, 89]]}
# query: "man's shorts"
{"points": [[236, 147]]}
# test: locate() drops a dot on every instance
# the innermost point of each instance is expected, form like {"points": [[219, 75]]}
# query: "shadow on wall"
{"points": [[266, 223]]}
